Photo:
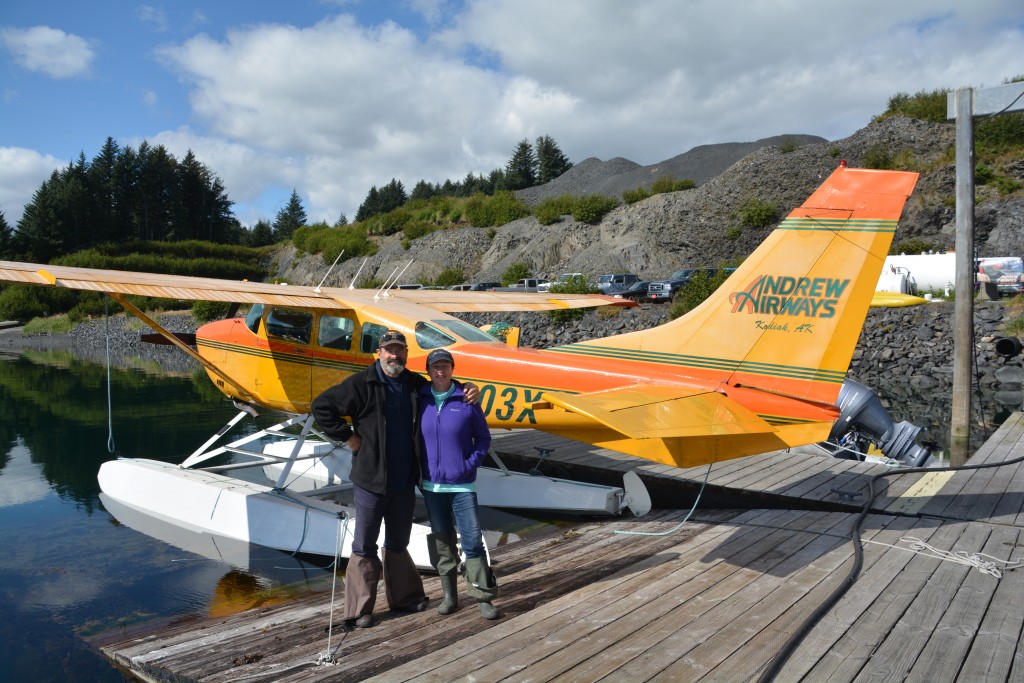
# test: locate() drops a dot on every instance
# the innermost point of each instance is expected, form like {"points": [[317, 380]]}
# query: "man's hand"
{"points": [[472, 393], [354, 442]]}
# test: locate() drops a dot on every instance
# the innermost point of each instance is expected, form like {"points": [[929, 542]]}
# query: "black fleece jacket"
{"points": [[360, 398]]}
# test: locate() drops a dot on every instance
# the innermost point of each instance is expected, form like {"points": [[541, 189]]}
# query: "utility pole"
{"points": [[963, 105]]}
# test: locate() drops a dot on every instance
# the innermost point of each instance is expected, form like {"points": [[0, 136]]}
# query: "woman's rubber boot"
{"points": [[482, 586], [450, 586], [444, 555]]}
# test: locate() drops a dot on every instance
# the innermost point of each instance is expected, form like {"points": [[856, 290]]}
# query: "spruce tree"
{"points": [[551, 162], [289, 219], [520, 172], [6, 239]]}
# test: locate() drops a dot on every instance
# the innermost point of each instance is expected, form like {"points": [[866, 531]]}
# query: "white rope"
{"points": [[986, 564], [679, 526], [326, 658], [110, 409]]}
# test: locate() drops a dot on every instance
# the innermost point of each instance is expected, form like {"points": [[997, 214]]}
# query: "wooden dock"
{"points": [[711, 599]]}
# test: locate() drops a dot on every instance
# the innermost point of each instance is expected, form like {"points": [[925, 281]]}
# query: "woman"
{"points": [[456, 441]]}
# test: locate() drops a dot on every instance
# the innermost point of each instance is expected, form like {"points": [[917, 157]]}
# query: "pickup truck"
{"points": [[664, 290], [527, 284]]}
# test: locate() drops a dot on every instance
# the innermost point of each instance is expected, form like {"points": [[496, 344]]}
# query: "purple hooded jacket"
{"points": [[456, 439]]}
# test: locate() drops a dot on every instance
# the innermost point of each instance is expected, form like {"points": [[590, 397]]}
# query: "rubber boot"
{"points": [[482, 586], [444, 555], [450, 586]]}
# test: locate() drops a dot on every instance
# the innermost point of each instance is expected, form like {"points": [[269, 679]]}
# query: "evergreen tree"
{"points": [[261, 234], [370, 206], [289, 219], [521, 171], [342, 221], [392, 196], [423, 190], [6, 239], [551, 162]]}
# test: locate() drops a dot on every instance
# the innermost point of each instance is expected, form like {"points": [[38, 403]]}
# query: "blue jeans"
{"points": [[449, 511]]}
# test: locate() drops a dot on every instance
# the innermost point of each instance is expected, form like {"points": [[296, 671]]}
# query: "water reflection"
{"points": [[930, 409]]}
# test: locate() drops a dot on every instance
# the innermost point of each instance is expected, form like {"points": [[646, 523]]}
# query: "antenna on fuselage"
{"points": [[355, 278], [391, 281], [317, 290]]}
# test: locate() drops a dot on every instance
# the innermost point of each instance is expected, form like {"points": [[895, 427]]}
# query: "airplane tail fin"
{"points": [[788, 319]]}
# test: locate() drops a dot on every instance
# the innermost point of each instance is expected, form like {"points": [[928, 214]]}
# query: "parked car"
{"points": [[484, 286], [636, 291], [661, 291], [409, 286], [616, 282], [461, 288]]}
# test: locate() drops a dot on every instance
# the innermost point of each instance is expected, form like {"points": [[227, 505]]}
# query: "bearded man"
{"points": [[374, 413]]}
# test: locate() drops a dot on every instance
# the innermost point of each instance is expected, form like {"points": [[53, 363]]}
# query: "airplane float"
{"points": [[756, 367]]}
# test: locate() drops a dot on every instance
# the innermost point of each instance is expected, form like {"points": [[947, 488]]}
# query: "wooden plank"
{"points": [[519, 639], [903, 576], [957, 625]]}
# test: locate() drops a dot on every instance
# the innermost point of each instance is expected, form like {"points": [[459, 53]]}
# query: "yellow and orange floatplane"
{"points": [[757, 367]]}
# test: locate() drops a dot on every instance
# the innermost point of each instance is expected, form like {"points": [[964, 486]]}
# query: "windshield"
{"points": [[464, 330]]}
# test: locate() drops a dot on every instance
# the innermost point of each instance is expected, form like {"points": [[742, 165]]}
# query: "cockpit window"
{"points": [[464, 330], [335, 332], [429, 337], [290, 326], [252, 320]]}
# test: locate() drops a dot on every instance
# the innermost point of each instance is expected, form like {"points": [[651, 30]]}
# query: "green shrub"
{"points": [[755, 213], [592, 208], [668, 183], [878, 157], [637, 195], [1005, 184], [788, 145], [20, 302], [733, 232], [834, 151], [205, 311], [449, 277], [983, 174], [552, 209], [514, 273], [500, 208], [415, 229], [700, 286], [926, 106]]}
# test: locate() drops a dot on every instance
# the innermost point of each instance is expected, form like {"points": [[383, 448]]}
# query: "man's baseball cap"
{"points": [[392, 337], [438, 355]]}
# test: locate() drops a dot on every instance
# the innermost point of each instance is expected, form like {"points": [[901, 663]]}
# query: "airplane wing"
{"points": [[678, 426], [304, 296]]}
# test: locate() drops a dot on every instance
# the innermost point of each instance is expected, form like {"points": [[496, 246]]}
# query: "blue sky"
{"points": [[330, 97]]}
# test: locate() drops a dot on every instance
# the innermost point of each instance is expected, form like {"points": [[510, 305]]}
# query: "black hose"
{"points": [[858, 550]]}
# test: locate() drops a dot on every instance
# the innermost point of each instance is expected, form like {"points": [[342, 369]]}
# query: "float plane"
{"points": [[756, 367]]}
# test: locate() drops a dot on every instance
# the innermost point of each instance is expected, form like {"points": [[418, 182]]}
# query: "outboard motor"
{"points": [[863, 421]]}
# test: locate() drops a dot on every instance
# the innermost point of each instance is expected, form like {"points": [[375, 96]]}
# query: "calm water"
{"points": [[70, 569]]}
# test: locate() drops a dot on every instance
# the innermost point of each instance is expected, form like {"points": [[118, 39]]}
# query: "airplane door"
{"points": [[284, 374], [340, 349]]}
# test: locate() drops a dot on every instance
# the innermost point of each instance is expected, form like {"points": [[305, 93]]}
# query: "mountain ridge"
{"points": [[696, 227]]}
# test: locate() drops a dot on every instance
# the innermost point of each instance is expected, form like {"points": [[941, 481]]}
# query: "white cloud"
{"points": [[49, 51], [336, 107], [155, 17], [22, 171]]}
